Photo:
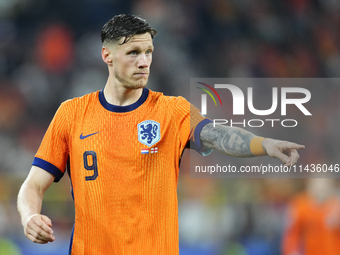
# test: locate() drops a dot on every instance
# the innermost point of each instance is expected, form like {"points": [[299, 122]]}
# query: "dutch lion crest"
{"points": [[149, 132]]}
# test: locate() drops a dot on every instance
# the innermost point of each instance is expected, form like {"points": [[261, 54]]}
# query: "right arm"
{"points": [[37, 227], [235, 141]]}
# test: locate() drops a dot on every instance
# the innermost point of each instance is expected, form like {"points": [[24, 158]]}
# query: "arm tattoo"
{"points": [[232, 141]]}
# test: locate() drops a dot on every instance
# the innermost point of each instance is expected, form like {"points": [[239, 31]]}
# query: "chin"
{"points": [[138, 85]]}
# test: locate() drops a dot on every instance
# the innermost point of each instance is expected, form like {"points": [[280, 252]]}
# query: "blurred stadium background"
{"points": [[50, 51]]}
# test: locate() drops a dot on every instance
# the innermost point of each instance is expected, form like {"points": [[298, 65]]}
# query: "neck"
{"points": [[120, 96]]}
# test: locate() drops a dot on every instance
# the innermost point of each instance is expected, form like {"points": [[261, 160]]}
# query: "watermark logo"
{"points": [[204, 97], [239, 99]]}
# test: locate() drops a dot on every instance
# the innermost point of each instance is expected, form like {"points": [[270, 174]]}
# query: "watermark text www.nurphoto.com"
{"points": [[263, 169]]}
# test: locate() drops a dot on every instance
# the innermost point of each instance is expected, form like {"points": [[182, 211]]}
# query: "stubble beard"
{"points": [[140, 83]]}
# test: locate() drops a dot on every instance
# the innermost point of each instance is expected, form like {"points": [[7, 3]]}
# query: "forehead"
{"points": [[139, 40]]}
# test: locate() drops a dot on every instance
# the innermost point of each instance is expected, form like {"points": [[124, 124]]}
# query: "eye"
{"points": [[148, 52], [134, 52]]}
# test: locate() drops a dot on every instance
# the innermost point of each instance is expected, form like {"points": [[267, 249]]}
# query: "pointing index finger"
{"points": [[296, 146], [299, 146]]}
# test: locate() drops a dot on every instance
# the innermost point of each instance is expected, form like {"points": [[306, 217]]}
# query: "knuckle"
{"points": [[38, 241], [31, 238], [33, 219], [29, 223], [28, 233], [39, 224]]}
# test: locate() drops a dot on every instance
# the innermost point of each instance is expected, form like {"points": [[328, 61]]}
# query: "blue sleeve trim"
{"points": [[196, 145], [71, 241], [47, 166]]}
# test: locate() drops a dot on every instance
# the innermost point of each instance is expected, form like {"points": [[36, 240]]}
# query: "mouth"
{"points": [[141, 74]]}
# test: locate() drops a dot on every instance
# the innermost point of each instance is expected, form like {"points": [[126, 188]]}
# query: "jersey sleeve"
{"points": [[191, 123], [53, 152]]}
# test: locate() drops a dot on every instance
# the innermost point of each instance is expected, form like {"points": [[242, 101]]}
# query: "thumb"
{"points": [[46, 220], [283, 157]]}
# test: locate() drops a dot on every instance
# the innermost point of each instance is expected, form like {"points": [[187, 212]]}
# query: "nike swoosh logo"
{"points": [[86, 136]]}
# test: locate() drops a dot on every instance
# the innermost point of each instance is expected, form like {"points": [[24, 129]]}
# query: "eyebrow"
{"points": [[138, 47]]}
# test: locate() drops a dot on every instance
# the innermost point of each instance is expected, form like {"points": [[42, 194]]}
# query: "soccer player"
{"points": [[313, 220], [122, 147]]}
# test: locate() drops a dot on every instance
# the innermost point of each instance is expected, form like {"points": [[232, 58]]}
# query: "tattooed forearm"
{"points": [[232, 141]]}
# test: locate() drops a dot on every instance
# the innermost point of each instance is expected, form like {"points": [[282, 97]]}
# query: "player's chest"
{"points": [[122, 135]]}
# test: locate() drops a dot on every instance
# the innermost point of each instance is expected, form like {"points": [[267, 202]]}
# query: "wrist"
{"points": [[257, 146]]}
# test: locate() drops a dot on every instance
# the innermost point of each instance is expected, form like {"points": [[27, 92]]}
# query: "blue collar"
{"points": [[127, 108]]}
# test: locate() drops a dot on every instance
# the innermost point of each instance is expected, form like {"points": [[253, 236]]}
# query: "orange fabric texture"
{"points": [[313, 228], [125, 201]]}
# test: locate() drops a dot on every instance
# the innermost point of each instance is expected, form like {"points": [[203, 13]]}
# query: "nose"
{"points": [[143, 61]]}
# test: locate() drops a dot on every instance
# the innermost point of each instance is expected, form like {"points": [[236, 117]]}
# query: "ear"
{"points": [[107, 55]]}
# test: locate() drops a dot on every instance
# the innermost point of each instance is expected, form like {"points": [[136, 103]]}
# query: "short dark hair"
{"points": [[125, 25]]}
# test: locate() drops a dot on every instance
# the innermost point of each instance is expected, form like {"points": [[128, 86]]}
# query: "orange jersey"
{"points": [[313, 228], [123, 163]]}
